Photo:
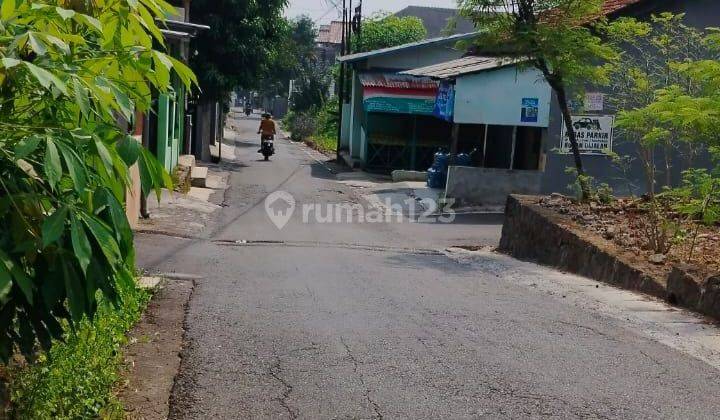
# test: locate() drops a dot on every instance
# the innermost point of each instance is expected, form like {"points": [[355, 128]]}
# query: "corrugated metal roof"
{"points": [[446, 39], [465, 65], [397, 81]]}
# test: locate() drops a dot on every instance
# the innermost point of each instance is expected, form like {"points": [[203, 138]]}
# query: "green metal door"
{"points": [[171, 114]]}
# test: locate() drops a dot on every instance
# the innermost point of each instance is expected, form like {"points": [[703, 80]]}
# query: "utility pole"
{"points": [[341, 84]]}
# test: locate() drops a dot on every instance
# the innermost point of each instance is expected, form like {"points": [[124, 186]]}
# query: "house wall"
{"points": [[495, 97], [488, 186]]}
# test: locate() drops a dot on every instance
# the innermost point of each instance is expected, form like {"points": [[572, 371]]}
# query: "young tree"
{"points": [[67, 71], [657, 55], [557, 37], [384, 30]]}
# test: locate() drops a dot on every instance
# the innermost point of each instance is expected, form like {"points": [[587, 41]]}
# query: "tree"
{"points": [[557, 37], [657, 56], [68, 70], [384, 30], [295, 59], [239, 46]]}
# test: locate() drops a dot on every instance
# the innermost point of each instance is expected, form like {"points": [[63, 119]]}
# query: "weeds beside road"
{"points": [[78, 378]]}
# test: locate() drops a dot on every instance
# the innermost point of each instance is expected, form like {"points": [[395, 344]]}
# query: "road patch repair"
{"points": [[537, 233], [152, 357]]}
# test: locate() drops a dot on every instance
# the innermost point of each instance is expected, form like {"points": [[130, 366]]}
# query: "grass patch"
{"points": [[77, 377], [324, 144]]}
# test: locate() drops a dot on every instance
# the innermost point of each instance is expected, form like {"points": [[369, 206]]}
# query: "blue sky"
{"points": [[323, 10]]}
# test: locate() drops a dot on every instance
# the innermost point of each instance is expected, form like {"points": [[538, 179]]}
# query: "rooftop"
{"points": [[384, 51], [466, 65]]}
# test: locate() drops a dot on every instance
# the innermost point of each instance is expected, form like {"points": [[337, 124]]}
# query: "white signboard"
{"points": [[594, 134], [594, 101]]}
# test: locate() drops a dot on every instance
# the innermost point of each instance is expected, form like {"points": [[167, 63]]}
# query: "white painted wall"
{"points": [[495, 97]]}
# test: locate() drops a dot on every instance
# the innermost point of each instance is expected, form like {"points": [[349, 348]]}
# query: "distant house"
{"points": [[329, 41], [437, 19]]}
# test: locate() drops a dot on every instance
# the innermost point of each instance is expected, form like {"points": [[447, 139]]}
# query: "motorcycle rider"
{"points": [[266, 129]]}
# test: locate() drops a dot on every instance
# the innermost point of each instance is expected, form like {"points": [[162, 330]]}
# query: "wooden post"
{"points": [[512, 151], [487, 128]]}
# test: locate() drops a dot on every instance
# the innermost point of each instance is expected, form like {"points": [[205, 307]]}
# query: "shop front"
{"points": [[399, 127], [500, 113]]}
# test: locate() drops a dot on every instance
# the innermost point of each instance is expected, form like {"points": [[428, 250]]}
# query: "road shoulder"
{"points": [[153, 355]]}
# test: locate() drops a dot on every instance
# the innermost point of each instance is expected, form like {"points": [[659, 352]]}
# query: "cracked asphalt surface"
{"points": [[349, 321]]}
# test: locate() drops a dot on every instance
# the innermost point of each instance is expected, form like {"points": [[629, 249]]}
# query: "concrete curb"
{"points": [[532, 232]]}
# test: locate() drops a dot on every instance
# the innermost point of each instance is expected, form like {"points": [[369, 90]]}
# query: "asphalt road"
{"points": [[376, 320]]}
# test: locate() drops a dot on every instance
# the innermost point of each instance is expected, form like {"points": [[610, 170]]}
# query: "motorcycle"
{"points": [[267, 148], [248, 111]]}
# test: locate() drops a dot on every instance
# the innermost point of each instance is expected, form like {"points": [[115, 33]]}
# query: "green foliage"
{"points": [[699, 196], [68, 70], [385, 30], [243, 39], [76, 378], [698, 199], [317, 125], [328, 120], [665, 89], [300, 124], [585, 188], [661, 232]]}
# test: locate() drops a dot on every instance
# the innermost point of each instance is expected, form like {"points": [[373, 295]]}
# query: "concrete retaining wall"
{"points": [[489, 186], [531, 232]]}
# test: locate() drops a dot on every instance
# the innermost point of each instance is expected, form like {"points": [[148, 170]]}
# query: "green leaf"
{"points": [[123, 102], [104, 238], [74, 290], [37, 44], [81, 97], [81, 244], [88, 21], [151, 174], [129, 150], [186, 75], [53, 166], [65, 13], [7, 10], [45, 78], [9, 63], [75, 166], [54, 226], [103, 152], [19, 276], [59, 43], [123, 231], [26, 146], [5, 283]]}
